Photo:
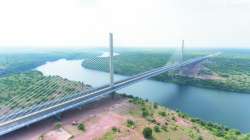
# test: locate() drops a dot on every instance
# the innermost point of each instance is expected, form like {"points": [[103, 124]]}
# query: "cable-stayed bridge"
{"points": [[27, 109]]}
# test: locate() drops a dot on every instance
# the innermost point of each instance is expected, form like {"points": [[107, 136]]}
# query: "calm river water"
{"points": [[228, 108]]}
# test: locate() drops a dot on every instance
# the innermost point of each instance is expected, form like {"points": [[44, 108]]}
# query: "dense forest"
{"points": [[232, 68]]}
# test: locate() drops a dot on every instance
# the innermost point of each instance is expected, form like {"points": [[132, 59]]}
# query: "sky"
{"points": [[86, 23]]}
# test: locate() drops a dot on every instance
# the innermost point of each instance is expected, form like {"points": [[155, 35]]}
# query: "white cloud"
{"points": [[134, 22]]}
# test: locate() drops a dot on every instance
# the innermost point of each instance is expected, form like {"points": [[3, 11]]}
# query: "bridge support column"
{"points": [[79, 108], [113, 95], [182, 51], [181, 56], [58, 117], [111, 69]]}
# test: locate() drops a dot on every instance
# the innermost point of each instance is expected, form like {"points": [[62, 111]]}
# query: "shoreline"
{"points": [[179, 82]]}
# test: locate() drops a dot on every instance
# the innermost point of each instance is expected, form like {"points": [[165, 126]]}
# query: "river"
{"points": [[227, 108]]}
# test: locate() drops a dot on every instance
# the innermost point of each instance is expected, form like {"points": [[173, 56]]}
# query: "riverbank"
{"points": [[222, 73], [122, 118], [202, 83]]}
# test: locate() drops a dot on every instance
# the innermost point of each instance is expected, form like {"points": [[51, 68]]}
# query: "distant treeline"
{"points": [[22, 62]]}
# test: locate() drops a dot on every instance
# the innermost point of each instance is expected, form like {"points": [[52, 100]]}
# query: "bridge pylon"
{"points": [[182, 51], [181, 59], [111, 67]]}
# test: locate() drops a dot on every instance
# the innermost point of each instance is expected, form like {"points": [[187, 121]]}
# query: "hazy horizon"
{"points": [[133, 22], [106, 48]]}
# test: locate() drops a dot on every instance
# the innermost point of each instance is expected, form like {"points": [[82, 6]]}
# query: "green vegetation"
{"points": [[21, 88], [217, 129], [162, 113], [130, 63], [58, 125], [229, 71], [145, 112], [155, 105], [114, 129], [130, 124], [162, 123], [108, 136], [81, 127], [147, 132], [157, 129]]}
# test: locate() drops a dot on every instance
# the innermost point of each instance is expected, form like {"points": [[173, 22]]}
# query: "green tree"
{"points": [[157, 129], [147, 132], [145, 113], [130, 123], [81, 127]]}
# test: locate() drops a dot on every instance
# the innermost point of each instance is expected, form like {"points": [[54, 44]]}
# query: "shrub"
{"points": [[157, 129], [200, 138], [163, 114], [81, 127], [237, 132], [114, 129], [130, 123], [147, 132], [155, 105], [145, 113], [58, 125], [182, 115], [219, 133], [143, 108]]}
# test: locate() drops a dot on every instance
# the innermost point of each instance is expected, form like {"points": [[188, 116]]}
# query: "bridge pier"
{"points": [[58, 117], [111, 69], [182, 51], [113, 95], [79, 108]]}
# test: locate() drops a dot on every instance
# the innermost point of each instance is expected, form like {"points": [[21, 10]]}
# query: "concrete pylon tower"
{"points": [[111, 69], [181, 56], [182, 50]]}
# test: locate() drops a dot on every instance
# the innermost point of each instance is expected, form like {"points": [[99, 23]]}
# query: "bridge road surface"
{"points": [[85, 97]]}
